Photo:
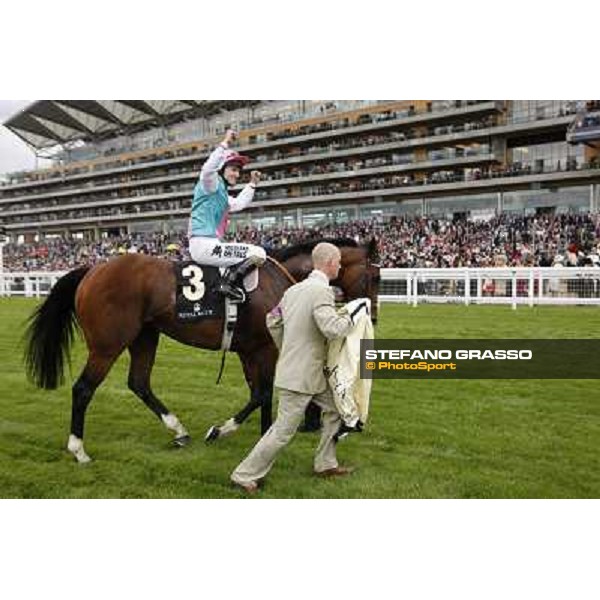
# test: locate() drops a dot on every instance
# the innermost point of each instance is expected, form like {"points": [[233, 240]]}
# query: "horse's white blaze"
{"points": [[75, 447], [173, 424], [228, 427]]}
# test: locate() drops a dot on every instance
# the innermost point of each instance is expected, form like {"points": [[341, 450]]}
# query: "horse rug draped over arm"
{"points": [[350, 393]]}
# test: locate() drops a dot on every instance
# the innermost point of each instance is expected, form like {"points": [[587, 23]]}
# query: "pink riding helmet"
{"points": [[233, 158]]}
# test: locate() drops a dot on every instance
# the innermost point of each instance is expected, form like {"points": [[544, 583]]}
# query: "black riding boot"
{"points": [[232, 283]]}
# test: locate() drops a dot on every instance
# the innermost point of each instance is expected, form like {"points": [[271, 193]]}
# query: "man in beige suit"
{"points": [[301, 325]]}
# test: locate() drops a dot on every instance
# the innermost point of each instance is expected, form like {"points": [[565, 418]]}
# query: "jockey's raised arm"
{"points": [[209, 175], [246, 195], [211, 206]]}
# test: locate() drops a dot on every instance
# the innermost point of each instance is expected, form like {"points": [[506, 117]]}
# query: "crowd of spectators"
{"points": [[156, 154], [163, 154], [592, 105], [113, 210], [365, 162], [505, 240], [351, 180], [276, 154], [408, 241], [61, 254], [409, 179], [584, 119], [588, 121]]}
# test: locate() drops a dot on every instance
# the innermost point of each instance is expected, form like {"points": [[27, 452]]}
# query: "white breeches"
{"points": [[210, 251]]}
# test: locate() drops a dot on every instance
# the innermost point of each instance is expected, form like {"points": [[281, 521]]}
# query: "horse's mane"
{"points": [[282, 254]]}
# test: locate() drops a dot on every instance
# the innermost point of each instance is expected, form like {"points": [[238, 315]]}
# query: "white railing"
{"points": [[517, 285], [527, 286], [33, 284]]}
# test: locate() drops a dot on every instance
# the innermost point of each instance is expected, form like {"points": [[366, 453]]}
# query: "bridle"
{"points": [[365, 281]]}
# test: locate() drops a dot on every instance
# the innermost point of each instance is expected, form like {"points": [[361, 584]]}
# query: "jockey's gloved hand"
{"points": [[255, 177], [358, 307]]}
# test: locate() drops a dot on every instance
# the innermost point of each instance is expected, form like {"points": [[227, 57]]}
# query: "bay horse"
{"points": [[127, 302]]}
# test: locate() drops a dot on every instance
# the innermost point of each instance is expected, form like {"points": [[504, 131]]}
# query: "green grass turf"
{"points": [[425, 439]]}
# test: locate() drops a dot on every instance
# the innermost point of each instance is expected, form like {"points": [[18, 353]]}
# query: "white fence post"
{"points": [[514, 289], [467, 288], [415, 288], [531, 286]]}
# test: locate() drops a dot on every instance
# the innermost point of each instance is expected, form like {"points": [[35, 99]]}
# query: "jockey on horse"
{"points": [[209, 218]]}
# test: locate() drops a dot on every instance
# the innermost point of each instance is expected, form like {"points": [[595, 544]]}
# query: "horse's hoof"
{"points": [[212, 434], [182, 441]]}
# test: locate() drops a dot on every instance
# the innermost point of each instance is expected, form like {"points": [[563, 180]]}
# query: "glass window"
{"points": [[240, 219], [521, 111], [265, 221], [409, 207], [461, 204], [380, 210], [573, 199], [312, 217], [289, 220], [556, 156]]}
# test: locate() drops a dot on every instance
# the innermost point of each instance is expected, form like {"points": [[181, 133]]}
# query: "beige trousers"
{"points": [[289, 416]]}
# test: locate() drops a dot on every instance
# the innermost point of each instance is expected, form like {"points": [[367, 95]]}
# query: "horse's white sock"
{"points": [[173, 424], [228, 427], [75, 447]]}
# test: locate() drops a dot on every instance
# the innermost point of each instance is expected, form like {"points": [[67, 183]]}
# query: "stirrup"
{"points": [[234, 293]]}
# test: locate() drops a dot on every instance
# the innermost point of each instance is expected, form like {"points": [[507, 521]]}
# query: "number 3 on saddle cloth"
{"points": [[196, 297]]}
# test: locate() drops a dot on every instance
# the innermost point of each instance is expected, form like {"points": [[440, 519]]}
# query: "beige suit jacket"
{"points": [[301, 325]]}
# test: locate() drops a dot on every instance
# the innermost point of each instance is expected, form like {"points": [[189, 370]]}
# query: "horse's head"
{"points": [[360, 274]]}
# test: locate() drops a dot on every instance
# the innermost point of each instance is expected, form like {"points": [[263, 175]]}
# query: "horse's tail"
{"points": [[49, 334]]}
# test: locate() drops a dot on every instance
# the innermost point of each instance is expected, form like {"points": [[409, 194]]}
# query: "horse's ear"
{"points": [[373, 250]]}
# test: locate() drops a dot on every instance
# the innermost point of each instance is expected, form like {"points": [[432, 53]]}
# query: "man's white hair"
{"points": [[323, 253]]}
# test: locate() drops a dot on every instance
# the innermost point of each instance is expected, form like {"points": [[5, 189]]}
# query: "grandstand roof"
{"points": [[46, 123]]}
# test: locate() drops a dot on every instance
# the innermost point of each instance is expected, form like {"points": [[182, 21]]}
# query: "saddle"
{"points": [[197, 298]]}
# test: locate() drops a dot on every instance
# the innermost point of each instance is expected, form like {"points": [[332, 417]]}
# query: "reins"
{"points": [[282, 269], [289, 277]]}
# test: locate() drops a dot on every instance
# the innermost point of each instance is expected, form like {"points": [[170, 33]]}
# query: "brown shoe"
{"points": [[335, 472], [250, 488]]}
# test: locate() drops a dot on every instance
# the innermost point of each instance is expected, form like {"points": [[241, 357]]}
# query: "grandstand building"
{"points": [[130, 166]]}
